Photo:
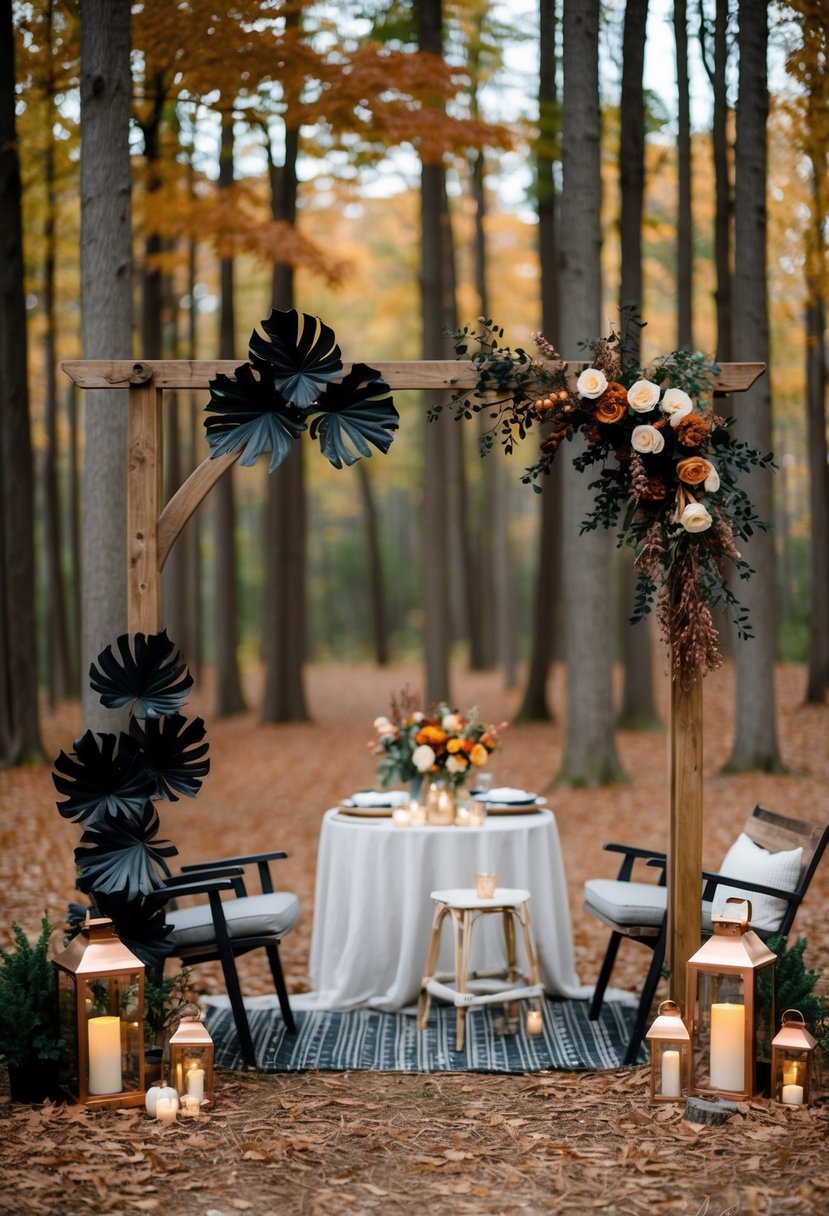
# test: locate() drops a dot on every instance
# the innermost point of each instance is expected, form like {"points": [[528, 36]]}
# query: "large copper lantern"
{"points": [[730, 986], [101, 1005], [670, 1048], [791, 1060], [191, 1061]]}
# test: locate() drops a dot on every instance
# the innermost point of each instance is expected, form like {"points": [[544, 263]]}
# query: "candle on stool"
{"points": [[535, 1022], [728, 1046], [104, 1055], [793, 1095], [671, 1087]]}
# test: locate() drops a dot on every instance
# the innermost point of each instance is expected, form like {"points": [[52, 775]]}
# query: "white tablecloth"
{"points": [[373, 912]]}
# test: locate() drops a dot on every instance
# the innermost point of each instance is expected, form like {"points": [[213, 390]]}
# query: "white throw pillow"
{"points": [[747, 860]]}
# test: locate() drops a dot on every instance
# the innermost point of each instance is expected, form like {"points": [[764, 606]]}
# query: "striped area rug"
{"points": [[390, 1042]]}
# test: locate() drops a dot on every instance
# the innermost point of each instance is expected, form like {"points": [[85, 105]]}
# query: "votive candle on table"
{"points": [[104, 1055], [418, 813], [195, 1083], [728, 1046], [477, 815], [401, 817], [671, 1083], [462, 817], [165, 1110], [535, 1022]]}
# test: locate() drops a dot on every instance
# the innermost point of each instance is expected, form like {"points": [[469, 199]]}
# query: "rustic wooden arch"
{"points": [[152, 530]]}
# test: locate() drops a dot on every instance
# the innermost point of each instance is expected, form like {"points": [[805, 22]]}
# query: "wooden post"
{"points": [[143, 498], [685, 848]]}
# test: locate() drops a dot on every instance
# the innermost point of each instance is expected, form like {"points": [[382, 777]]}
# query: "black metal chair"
{"points": [[637, 910], [222, 929]]}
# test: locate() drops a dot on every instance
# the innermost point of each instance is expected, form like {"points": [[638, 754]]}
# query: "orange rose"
{"points": [[613, 404], [692, 431], [479, 755], [454, 745], [430, 734], [694, 470]]}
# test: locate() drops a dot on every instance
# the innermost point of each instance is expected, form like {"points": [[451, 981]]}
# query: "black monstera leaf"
{"points": [[124, 855], [353, 414], [250, 413], [301, 353], [104, 777], [174, 754], [150, 676]]}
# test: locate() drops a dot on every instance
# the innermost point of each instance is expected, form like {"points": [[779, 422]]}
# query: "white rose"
{"points": [[643, 396], [452, 723], [646, 439], [423, 758], [712, 481], [383, 726], [591, 383], [677, 404], [455, 765], [695, 518]]}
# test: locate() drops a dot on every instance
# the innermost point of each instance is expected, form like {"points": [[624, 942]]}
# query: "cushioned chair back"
{"points": [[777, 834]]}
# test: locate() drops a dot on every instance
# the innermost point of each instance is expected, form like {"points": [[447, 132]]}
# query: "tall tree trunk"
{"points": [[715, 61], [285, 632], [638, 710], [62, 680], [228, 692], [436, 615], [106, 324], [377, 600], [590, 752], [755, 744], [684, 222], [547, 592], [19, 727], [817, 680]]}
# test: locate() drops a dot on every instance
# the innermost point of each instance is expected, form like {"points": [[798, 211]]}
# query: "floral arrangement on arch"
{"points": [[413, 745], [667, 468]]}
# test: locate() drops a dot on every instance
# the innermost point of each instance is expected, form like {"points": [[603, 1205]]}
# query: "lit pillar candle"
{"points": [[195, 1083], [534, 1022], [793, 1095], [728, 1047], [165, 1110], [179, 1079], [104, 1055], [671, 1086]]}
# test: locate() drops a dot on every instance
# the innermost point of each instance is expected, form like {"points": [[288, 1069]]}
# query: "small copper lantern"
{"points": [[101, 1009], [791, 1060], [730, 985], [670, 1046], [191, 1060]]}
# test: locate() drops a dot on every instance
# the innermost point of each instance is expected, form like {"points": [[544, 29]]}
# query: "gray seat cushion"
{"points": [[248, 916], [626, 903]]}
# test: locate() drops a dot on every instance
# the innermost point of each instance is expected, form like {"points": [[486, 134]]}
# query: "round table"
{"points": [[373, 912]]}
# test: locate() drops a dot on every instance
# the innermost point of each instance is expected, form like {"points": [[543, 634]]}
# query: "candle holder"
{"points": [[101, 1011], [486, 885], [670, 1048], [191, 1060], [791, 1060], [440, 804], [730, 984]]}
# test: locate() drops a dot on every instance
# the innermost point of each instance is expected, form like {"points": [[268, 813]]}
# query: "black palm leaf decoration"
{"points": [[150, 678], [174, 754], [124, 856], [139, 923], [100, 781], [301, 353], [353, 414], [250, 413]]}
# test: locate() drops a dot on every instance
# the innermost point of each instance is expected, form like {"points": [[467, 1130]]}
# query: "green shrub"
{"points": [[29, 1025]]}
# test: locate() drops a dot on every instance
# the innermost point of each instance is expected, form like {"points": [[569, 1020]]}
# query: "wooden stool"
{"points": [[480, 987]]}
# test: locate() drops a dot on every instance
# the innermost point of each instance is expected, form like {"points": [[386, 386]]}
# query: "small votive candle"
{"points": [[462, 817], [165, 1110], [418, 813], [477, 815], [190, 1107], [535, 1022], [401, 817], [485, 885]]}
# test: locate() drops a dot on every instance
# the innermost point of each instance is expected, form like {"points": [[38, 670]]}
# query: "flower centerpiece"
{"points": [[444, 744], [667, 468]]}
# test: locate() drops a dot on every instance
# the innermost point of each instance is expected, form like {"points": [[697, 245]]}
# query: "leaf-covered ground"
{"points": [[330, 1143]]}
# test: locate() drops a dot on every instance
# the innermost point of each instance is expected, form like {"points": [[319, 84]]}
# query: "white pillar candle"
{"points": [[535, 1022], [104, 1037], [195, 1083], [728, 1047], [165, 1110], [793, 1095], [671, 1084]]}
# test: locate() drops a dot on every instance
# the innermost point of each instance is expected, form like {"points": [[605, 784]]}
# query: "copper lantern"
{"points": [[191, 1061], [791, 1060], [101, 1008], [670, 1048], [730, 986]]}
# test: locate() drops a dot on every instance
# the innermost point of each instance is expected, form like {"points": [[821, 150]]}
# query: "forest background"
{"points": [[399, 169]]}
